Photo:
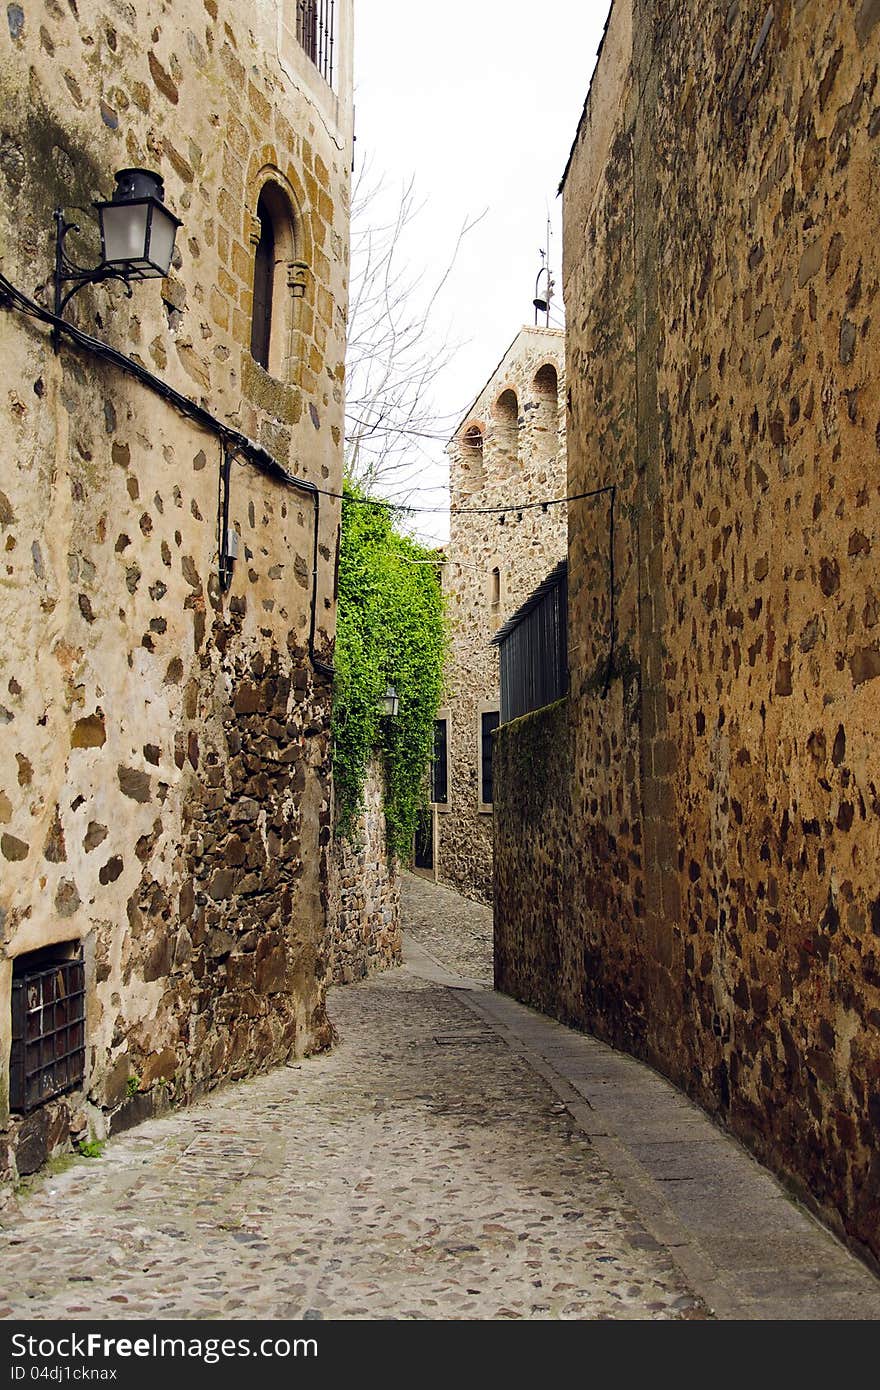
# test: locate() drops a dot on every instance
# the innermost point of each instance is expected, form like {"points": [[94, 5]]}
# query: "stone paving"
{"points": [[450, 928], [455, 1156], [747, 1249], [419, 1170]]}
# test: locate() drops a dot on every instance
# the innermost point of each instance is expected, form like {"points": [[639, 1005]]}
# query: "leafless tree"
{"points": [[396, 349]]}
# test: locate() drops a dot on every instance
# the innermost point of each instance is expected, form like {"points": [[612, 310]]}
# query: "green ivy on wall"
{"points": [[390, 628]]}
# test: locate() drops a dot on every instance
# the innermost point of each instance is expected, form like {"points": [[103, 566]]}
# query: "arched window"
{"points": [[276, 280], [547, 385], [506, 432], [264, 286], [546, 388], [472, 457]]}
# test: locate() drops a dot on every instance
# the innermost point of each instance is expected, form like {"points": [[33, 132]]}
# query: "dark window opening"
{"points": [[488, 724], [48, 1025], [440, 764], [264, 280], [424, 846]]}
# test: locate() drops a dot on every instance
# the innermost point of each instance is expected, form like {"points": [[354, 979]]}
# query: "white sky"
{"points": [[480, 100]]}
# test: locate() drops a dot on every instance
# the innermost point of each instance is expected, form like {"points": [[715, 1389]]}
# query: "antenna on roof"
{"points": [[543, 301]]}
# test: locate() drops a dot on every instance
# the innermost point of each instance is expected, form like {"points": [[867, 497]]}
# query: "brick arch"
{"points": [[506, 405]]}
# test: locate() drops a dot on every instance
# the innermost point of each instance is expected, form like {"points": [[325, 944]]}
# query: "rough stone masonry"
{"points": [[691, 870], [164, 765]]}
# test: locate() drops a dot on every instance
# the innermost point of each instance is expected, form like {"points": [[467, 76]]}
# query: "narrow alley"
{"points": [[455, 1155]]}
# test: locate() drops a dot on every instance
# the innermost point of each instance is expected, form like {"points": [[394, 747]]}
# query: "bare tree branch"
{"points": [[393, 358]]}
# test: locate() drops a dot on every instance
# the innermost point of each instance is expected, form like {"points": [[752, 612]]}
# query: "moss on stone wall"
{"points": [[531, 760]]}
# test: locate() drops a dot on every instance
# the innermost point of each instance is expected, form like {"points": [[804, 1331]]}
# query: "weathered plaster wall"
{"points": [[718, 887], [365, 893], [525, 465], [164, 767]]}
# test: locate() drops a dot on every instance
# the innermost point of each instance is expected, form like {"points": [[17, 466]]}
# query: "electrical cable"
{"points": [[503, 508], [236, 444], [233, 440]]}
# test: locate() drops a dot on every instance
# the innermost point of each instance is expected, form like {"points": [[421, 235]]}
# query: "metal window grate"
{"points": [[48, 1031], [534, 649], [315, 24]]}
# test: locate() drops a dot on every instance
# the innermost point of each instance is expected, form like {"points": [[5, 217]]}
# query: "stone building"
{"points": [[365, 927], [510, 448], [164, 769], [692, 874]]}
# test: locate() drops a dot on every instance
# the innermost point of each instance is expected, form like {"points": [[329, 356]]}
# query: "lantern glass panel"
{"points": [[162, 229], [124, 227]]}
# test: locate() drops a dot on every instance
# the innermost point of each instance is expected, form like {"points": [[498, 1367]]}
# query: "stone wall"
{"points": [[522, 458], [365, 893], [164, 768], [712, 857]]}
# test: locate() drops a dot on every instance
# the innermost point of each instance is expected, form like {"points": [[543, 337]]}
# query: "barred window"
{"points": [[48, 1025], [533, 647], [315, 30]]}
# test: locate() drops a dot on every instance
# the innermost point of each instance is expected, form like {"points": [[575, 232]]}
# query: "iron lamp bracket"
{"points": [[68, 272]]}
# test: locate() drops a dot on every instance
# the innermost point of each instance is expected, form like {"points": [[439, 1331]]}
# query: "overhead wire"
{"points": [[237, 444], [234, 442], [501, 508]]}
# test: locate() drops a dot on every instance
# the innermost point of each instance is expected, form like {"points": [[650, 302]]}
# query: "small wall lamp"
{"points": [[390, 702], [137, 237]]}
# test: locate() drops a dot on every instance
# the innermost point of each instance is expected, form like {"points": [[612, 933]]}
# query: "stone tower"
{"points": [[508, 450]]}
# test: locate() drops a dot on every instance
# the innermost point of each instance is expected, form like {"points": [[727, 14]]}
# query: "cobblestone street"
{"points": [[430, 1166], [452, 929]]}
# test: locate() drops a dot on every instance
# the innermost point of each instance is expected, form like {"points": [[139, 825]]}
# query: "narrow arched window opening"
{"points": [[278, 279], [495, 590], [264, 286], [546, 388], [506, 431], [473, 441], [472, 456], [547, 383]]}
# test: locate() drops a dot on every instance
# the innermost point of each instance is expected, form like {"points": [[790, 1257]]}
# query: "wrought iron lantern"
{"points": [[137, 237], [390, 702]]}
